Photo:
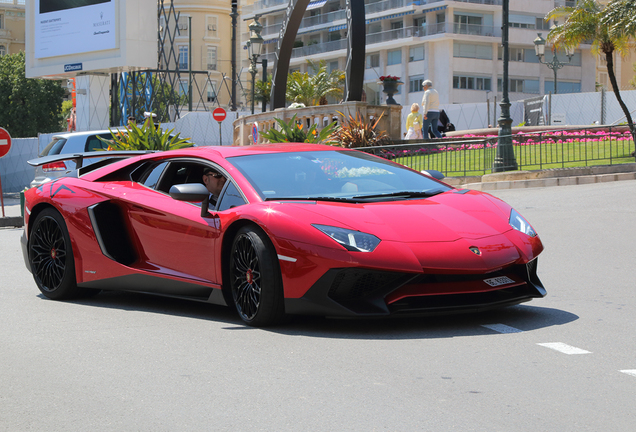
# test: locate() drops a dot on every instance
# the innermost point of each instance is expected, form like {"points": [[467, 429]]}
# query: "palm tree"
{"points": [[620, 17], [300, 88], [313, 89], [327, 83], [587, 21]]}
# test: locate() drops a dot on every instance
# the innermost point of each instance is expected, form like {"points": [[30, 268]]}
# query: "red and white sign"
{"points": [[219, 114], [5, 142]]}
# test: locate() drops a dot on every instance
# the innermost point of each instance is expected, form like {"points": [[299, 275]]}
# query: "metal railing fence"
{"points": [[472, 156]]}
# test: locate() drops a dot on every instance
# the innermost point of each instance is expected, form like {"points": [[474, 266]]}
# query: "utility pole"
{"points": [[505, 157], [234, 15]]}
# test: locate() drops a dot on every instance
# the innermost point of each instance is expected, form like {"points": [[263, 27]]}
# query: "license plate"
{"points": [[501, 280]]}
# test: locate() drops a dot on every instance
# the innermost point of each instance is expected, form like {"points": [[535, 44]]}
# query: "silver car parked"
{"points": [[71, 142]]}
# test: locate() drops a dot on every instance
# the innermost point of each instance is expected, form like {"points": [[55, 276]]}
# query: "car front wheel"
{"points": [[51, 256], [255, 278]]}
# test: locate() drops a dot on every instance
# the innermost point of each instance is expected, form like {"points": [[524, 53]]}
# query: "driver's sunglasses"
{"points": [[216, 176]]}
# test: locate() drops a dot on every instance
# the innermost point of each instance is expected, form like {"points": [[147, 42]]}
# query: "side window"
{"points": [[181, 172], [93, 143], [231, 198], [151, 177]]}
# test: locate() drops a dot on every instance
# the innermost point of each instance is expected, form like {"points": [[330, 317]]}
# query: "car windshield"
{"points": [[333, 176]]}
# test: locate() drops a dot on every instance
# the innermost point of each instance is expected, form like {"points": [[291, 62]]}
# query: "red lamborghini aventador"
{"points": [[277, 229]]}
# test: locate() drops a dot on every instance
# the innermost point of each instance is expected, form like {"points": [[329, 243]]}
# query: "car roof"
{"points": [[210, 152]]}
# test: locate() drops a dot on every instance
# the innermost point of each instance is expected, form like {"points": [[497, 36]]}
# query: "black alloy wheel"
{"points": [[51, 256], [255, 278]]}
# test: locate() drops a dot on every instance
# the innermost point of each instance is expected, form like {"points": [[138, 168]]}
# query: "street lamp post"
{"points": [[555, 64], [505, 157], [254, 47]]}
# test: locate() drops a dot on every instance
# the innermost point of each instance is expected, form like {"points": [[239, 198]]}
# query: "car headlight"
{"points": [[520, 224], [355, 241]]}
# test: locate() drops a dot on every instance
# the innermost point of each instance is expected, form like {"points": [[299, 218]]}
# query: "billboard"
{"points": [[65, 38], [65, 27]]}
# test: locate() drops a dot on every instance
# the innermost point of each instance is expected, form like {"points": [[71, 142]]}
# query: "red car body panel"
{"points": [[172, 241]]}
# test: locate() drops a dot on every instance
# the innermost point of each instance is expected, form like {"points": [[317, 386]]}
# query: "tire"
{"points": [[255, 279], [51, 256]]}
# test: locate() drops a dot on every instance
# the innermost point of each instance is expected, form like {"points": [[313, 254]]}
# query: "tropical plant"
{"points": [[293, 132], [313, 89], [357, 132], [146, 137], [589, 20]]}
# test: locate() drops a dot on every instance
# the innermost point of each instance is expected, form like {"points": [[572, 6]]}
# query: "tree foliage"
{"points": [[620, 18], [313, 89], [606, 27], [29, 106]]}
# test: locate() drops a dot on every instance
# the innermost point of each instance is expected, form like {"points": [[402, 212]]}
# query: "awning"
{"points": [[316, 4], [389, 16], [336, 28], [434, 9]]}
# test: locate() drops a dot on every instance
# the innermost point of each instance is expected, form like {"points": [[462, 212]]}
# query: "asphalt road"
{"points": [[129, 362]]}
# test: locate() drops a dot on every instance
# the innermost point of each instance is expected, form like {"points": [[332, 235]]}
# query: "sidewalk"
{"points": [[489, 182]]}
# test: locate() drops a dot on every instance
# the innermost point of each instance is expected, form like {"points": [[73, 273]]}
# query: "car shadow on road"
{"points": [[517, 318], [522, 318], [151, 303]]}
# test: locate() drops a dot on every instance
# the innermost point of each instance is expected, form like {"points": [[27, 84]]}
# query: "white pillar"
{"points": [[93, 101]]}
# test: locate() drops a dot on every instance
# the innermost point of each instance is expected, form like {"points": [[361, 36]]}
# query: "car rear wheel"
{"points": [[51, 256], [255, 278]]}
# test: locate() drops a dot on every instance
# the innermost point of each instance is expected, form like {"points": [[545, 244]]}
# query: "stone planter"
{"points": [[390, 88]]}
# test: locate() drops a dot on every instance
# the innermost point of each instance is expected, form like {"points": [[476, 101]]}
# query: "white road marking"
{"points": [[564, 348], [631, 372], [501, 328]]}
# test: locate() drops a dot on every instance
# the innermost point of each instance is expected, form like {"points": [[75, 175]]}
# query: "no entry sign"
{"points": [[5, 142], [219, 114]]}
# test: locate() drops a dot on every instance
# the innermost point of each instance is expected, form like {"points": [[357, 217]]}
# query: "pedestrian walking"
{"points": [[430, 109]]}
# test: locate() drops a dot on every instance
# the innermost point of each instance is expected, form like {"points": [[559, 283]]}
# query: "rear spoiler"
{"points": [[78, 158]]}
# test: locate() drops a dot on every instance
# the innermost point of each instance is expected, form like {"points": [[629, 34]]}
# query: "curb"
{"points": [[546, 178], [11, 221]]}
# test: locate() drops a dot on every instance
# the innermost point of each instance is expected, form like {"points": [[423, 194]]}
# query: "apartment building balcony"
{"points": [[5, 34], [268, 6], [393, 35], [483, 2]]}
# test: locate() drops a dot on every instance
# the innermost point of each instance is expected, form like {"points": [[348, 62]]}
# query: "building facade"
{"points": [[454, 43], [203, 45], [12, 25]]}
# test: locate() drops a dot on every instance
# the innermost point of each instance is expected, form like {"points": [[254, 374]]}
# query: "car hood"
{"points": [[446, 217]]}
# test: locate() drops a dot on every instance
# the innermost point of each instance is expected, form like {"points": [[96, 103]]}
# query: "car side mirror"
{"points": [[192, 192], [434, 173]]}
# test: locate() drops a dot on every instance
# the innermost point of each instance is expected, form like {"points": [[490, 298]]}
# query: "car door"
{"points": [[171, 236]]}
